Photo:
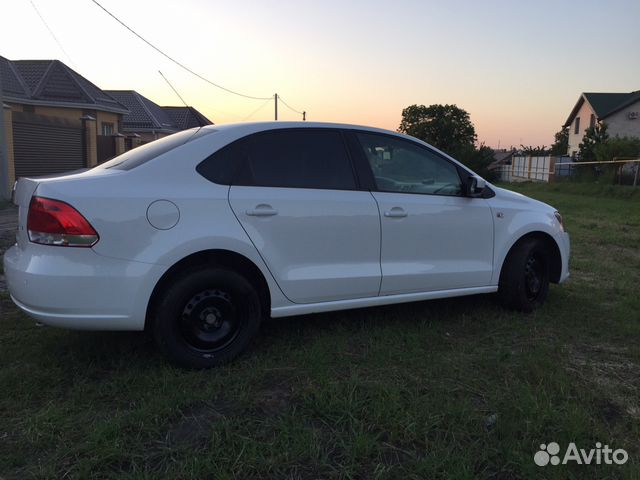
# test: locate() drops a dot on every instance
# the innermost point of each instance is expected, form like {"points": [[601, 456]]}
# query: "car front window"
{"points": [[404, 167]]}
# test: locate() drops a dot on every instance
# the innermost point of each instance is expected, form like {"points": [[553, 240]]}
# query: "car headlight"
{"points": [[559, 218]]}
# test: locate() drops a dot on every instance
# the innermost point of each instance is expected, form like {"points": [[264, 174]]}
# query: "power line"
{"points": [[176, 61], [289, 106], [53, 35], [256, 110], [184, 67], [185, 103], [174, 90]]}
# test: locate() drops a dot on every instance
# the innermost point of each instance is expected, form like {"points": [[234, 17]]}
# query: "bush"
{"points": [[478, 160], [617, 147]]}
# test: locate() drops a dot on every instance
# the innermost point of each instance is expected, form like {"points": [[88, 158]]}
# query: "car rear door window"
{"points": [[300, 158]]}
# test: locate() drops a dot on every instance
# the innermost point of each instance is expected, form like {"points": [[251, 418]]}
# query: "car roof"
{"points": [[254, 127]]}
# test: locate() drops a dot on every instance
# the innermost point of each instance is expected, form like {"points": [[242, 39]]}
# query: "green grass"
{"points": [[395, 392]]}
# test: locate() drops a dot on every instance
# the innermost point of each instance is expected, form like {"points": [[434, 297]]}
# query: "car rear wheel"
{"points": [[524, 280], [206, 317]]}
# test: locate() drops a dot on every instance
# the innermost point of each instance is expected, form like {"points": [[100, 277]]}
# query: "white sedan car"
{"points": [[200, 235]]}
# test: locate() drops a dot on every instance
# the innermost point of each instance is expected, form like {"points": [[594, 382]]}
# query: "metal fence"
{"points": [[557, 168]]}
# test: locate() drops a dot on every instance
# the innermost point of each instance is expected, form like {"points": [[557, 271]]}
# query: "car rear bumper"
{"points": [[77, 288]]}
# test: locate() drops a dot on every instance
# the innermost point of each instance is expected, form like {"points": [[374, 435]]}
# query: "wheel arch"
{"points": [[214, 257], [551, 246]]}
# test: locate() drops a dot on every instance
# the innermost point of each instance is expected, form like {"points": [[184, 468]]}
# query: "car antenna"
{"points": [[172, 88]]}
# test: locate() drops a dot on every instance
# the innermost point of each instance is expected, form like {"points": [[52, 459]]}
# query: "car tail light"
{"points": [[52, 222]]}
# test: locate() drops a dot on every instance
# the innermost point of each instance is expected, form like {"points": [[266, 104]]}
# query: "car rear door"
{"points": [[297, 197], [433, 237]]}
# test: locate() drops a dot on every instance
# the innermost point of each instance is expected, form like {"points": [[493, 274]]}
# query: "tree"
{"points": [[593, 136], [478, 160], [535, 151], [446, 127], [561, 144]]}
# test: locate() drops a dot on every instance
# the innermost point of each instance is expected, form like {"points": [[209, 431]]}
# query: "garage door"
{"points": [[46, 145]]}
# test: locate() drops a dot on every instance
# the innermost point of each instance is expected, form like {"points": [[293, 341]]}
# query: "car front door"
{"points": [[433, 237], [297, 198]]}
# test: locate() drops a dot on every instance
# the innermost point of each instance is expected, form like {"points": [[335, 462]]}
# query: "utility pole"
{"points": [[275, 96], [4, 158]]}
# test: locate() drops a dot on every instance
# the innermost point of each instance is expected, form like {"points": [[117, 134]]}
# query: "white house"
{"points": [[620, 111]]}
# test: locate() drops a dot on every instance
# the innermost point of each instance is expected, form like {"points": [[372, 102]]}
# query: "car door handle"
{"points": [[262, 210], [395, 212]]}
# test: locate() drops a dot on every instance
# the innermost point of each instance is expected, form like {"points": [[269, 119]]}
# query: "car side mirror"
{"points": [[476, 186]]}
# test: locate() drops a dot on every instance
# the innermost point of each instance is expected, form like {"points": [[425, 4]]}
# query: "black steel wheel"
{"points": [[534, 276], [206, 317], [524, 280], [209, 321]]}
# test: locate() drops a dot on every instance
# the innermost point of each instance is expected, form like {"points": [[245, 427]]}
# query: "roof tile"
{"points": [[145, 115], [187, 117], [51, 81]]}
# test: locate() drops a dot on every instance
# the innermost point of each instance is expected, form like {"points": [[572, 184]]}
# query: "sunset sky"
{"points": [[516, 67]]}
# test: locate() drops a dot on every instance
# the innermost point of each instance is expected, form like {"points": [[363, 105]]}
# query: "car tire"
{"points": [[206, 317], [524, 280]]}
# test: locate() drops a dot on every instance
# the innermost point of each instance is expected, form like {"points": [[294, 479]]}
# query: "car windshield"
{"points": [[142, 154]]}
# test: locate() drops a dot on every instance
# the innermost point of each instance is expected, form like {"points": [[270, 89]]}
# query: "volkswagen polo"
{"points": [[200, 235]]}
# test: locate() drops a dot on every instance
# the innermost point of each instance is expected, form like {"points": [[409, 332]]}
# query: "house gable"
{"points": [[52, 83], [58, 85], [31, 71], [144, 115]]}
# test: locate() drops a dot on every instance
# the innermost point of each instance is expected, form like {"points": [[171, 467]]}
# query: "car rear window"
{"points": [[142, 154], [298, 158]]}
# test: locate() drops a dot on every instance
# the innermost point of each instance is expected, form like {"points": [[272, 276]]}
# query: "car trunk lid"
{"points": [[25, 188]]}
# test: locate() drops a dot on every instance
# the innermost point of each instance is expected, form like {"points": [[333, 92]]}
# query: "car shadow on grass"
{"points": [[115, 350], [444, 312]]}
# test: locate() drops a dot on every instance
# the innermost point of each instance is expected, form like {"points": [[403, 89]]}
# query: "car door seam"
{"points": [[275, 280], [380, 244]]}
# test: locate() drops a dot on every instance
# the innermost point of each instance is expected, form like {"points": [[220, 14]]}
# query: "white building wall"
{"points": [[575, 139], [621, 125]]}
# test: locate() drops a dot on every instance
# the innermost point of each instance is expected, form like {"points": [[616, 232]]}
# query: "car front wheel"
{"points": [[206, 317], [524, 280]]}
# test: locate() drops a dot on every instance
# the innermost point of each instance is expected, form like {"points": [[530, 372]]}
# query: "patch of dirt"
{"points": [[274, 400], [193, 428], [611, 412], [393, 455], [609, 369]]}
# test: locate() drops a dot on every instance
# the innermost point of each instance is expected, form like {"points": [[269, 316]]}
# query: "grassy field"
{"points": [[445, 389]]}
